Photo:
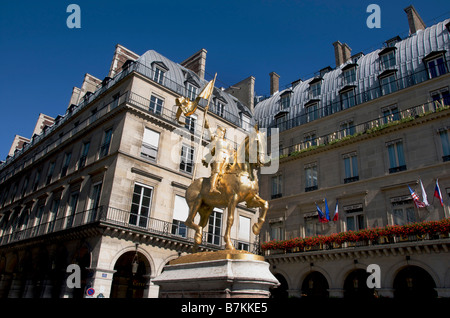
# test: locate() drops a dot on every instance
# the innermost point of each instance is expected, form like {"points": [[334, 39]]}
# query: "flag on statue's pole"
{"points": [[188, 107]]}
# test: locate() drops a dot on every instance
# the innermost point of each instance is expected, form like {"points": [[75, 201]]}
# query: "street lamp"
{"points": [[135, 263]]}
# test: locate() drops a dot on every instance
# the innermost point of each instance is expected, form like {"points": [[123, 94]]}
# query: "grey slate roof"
{"points": [[409, 65], [176, 77]]}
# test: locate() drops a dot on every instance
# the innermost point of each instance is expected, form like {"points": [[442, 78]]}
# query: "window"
{"points": [[280, 122], [354, 217], [436, 67], [403, 215], [156, 104], [190, 123], [387, 60], [311, 177], [191, 91], [37, 220], [312, 112], [390, 114], [315, 90], [244, 233], [444, 137], [159, 75], [311, 224], [396, 156], [215, 227], [285, 101], [277, 186], [83, 155], [441, 98], [51, 168], [187, 158], [115, 101], [349, 76], [348, 99], [150, 144], [140, 205], [25, 186], [52, 215], [347, 128], [37, 178], [277, 230], [351, 167], [388, 84], [66, 163], [220, 108], [71, 209], [180, 214], [310, 139], [94, 202], [104, 148], [403, 210]]}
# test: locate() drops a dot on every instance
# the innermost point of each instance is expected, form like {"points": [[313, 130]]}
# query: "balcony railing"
{"points": [[115, 217], [373, 237], [371, 126], [337, 104], [101, 88]]}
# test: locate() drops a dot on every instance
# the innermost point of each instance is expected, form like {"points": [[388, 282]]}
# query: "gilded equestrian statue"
{"points": [[234, 184]]}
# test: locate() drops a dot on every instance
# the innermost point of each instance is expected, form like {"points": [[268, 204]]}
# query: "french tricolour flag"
{"points": [[438, 194]]}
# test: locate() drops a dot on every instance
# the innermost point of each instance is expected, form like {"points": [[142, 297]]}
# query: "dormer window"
{"points": [[349, 73], [159, 75], [285, 99], [191, 91], [315, 87], [436, 64], [159, 69], [387, 58]]}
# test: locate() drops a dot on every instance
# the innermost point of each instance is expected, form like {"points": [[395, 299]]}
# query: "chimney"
{"points": [[244, 91], [346, 52], [196, 63], [414, 20], [342, 53], [274, 83]]}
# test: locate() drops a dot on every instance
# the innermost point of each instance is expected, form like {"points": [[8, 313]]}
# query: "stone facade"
{"points": [[95, 190], [361, 156]]}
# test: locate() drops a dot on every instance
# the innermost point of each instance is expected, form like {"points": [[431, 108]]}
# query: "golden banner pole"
{"points": [[203, 129]]}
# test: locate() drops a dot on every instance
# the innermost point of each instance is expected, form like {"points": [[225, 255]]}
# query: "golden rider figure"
{"points": [[219, 157]]}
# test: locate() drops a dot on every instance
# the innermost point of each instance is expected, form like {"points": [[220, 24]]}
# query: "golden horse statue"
{"points": [[238, 184]]}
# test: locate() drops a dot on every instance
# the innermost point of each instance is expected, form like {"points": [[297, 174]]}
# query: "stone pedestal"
{"points": [[221, 274]]}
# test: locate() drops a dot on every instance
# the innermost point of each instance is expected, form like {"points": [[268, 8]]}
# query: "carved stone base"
{"points": [[221, 274]]}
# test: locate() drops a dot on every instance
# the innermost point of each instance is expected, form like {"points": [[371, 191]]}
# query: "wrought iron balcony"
{"points": [[103, 216]]}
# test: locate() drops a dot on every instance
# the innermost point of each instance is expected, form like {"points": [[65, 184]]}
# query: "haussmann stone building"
{"points": [[102, 186], [358, 135]]}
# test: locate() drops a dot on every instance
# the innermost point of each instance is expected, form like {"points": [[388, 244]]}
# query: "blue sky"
{"points": [[42, 59]]}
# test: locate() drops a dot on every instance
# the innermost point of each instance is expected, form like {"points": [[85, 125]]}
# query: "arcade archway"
{"points": [[355, 285], [315, 285], [414, 282], [131, 276]]}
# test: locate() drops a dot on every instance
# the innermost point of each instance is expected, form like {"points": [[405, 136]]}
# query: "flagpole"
{"points": [[203, 129]]}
